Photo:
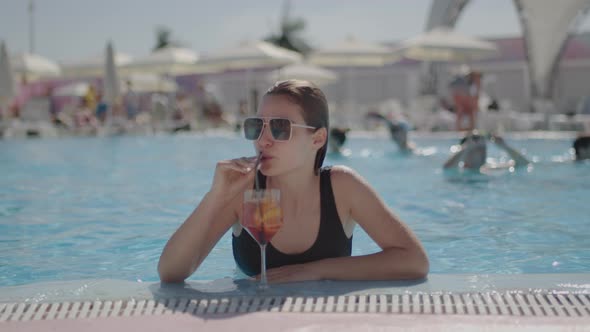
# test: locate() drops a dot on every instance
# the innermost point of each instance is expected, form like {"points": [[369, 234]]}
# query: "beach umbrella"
{"points": [[92, 66], [75, 89], [445, 45], [7, 90], [351, 54], [247, 55], [111, 84], [146, 82], [168, 60], [303, 71], [33, 66]]}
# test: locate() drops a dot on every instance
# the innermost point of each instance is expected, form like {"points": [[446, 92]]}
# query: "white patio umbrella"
{"points": [[352, 53], [34, 66], [111, 84], [304, 71], [7, 90], [146, 82], [92, 66], [445, 45], [247, 55], [169, 60], [74, 89]]}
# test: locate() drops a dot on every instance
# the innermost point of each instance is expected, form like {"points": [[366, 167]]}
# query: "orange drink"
{"points": [[262, 217]]}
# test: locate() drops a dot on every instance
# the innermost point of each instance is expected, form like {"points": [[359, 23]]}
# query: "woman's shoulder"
{"points": [[344, 176]]}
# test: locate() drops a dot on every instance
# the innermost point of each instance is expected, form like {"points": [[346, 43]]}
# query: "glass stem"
{"points": [[263, 281]]}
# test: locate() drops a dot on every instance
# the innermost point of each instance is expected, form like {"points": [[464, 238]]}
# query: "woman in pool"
{"points": [[398, 130], [471, 154], [321, 206], [582, 147]]}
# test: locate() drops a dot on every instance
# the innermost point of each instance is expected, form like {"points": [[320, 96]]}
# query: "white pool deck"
{"points": [[525, 302]]}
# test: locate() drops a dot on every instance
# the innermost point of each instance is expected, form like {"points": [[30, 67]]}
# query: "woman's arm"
{"points": [[402, 256], [195, 238], [216, 213], [519, 159], [453, 161]]}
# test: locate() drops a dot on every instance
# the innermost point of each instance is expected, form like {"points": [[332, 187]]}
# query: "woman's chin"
{"points": [[267, 171]]}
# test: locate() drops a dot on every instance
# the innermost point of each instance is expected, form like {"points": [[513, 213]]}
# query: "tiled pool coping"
{"points": [[533, 302], [108, 289]]}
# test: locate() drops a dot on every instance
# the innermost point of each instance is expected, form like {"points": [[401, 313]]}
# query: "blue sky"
{"points": [[71, 29]]}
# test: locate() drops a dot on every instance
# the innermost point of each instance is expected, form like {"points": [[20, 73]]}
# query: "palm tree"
{"points": [[289, 30]]}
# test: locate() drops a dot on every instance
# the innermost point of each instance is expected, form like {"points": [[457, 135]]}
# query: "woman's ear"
{"points": [[319, 137]]}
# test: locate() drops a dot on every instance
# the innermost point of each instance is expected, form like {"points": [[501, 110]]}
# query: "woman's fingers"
{"points": [[242, 165], [246, 163], [233, 175], [288, 273]]}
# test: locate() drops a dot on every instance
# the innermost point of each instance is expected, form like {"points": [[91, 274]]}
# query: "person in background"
{"points": [[181, 111], [398, 131], [131, 102], [101, 109], [90, 98], [471, 154], [320, 205], [465, 90], [242, 113], [84, 119], [581, 147], [337, 139], [51, 105]]}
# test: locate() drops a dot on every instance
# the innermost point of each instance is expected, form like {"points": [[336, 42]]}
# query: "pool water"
{"points": [[80, 208]]}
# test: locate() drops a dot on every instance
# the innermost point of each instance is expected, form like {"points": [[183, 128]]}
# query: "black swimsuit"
{"points": [[331, 240]]}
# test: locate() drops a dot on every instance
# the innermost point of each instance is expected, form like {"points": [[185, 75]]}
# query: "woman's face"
{"points": [[279, 157]]}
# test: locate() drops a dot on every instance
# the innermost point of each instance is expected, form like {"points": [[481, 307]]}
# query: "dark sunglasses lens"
{"points": [[280, 129], [252, 128]]}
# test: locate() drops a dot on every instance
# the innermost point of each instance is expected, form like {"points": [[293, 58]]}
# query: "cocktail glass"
{"points": [[262, 217]]}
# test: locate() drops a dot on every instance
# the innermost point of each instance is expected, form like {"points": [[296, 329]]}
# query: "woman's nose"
{"points": [[265, 138]]}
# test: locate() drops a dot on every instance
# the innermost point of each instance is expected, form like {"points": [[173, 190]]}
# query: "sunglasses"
{"points": [[279, 128]]}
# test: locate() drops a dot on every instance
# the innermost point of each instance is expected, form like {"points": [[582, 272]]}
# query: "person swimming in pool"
{"points": [[398, 131], [337, 139], [581, 147], [471, 154], [321, 205]]}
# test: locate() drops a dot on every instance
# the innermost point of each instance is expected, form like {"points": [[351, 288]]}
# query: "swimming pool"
{"points": [[82, 208]]}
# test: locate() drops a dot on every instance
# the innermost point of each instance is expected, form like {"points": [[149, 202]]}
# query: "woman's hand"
{"points": [[497, 140], [233, 176], [292, 273]]}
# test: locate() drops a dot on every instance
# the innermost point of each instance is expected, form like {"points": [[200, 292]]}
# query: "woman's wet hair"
{"points": [[314, 105], [338, 135], [395, 126], [581, 142], [474, 137]]}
